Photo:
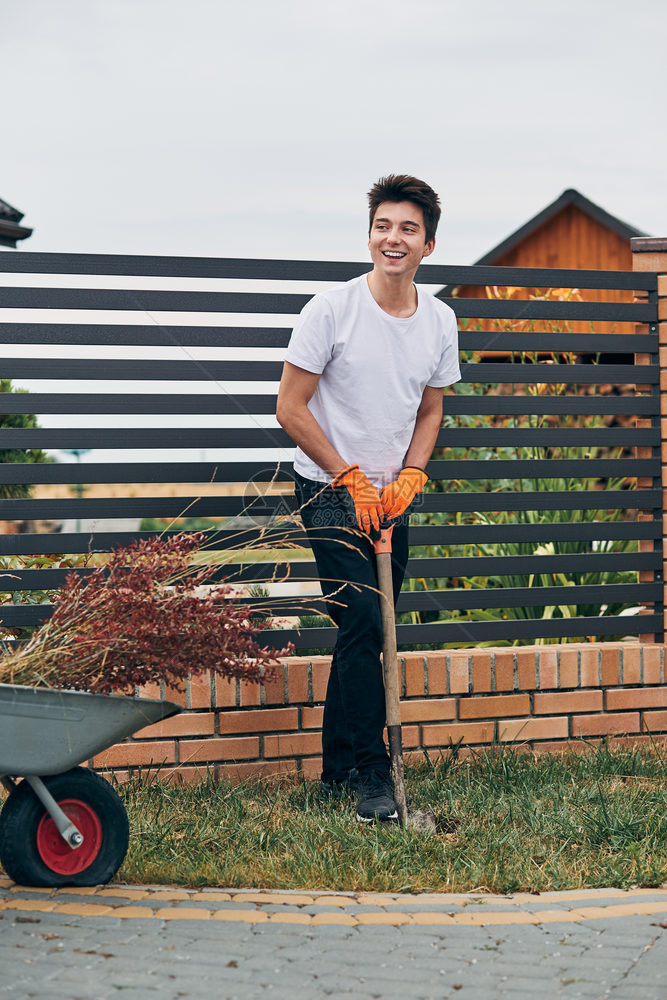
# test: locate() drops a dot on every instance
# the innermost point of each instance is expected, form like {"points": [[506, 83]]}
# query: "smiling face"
{"points": [[397, 240]]}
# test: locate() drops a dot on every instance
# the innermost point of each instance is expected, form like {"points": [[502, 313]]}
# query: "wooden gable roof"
{"points": [[527, 245]]}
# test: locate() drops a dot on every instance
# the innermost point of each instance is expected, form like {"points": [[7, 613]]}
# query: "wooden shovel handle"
{"points": [[390, 669]]}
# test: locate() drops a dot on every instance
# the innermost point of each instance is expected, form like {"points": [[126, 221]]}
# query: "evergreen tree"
{"points": [[17, 491]]}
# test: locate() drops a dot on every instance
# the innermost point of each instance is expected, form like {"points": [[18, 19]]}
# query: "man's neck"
{"points": [[397, 296]]}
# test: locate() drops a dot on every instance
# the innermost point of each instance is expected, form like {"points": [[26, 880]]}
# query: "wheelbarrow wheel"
{"points": [[32, 852]]}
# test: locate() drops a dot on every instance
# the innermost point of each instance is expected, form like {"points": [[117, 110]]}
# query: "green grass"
{"points": [[507, 821]]}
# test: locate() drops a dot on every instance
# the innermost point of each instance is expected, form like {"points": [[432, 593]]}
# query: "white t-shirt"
{"points": [[374, 368]]}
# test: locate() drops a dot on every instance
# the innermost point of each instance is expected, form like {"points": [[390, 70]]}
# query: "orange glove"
{"points": [[366, 499], [397, 496]]}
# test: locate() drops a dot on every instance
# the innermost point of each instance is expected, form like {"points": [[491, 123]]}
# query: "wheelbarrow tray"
{"points": [[45, 731]]}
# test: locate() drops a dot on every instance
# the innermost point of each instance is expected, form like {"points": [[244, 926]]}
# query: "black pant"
{"points": [[354, 711]]}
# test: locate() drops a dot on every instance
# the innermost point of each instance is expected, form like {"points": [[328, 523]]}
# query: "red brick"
{"points": [[185, 724], [437, 673], [153, 691], [292, 744], [624, 698], [137, 754], [572, 701], [610, 664], [569, 668], [651, 664], [481, 671], [120, 776], [654, 722], [311, 718], [274, 691], [504, 670], [469, 732], [494, 706], [256, 769], [532, 729], [428, 710], [175, 695], [249, 694], [239, 748], [559, 746], [526, 669], [589, 667], [186, 775], [548, 660], [321, 666], [458, 671], [265, 720], [297, 681], [410, 737], [225, 692], [200, 691], [597, 725], [414, 674], [632, 671], [311, 768]]}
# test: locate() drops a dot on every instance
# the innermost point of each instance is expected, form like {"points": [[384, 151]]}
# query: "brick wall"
{"points": [[540, 697]]}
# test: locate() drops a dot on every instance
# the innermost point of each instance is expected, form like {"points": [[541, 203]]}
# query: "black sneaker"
{"points": [[376, 798], [344, 786]]}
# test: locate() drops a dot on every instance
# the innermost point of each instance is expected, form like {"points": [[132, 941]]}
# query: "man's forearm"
{"points": [[305, 431], [424, 437]]}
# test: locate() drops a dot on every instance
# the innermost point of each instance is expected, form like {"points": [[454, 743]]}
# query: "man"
{"points": [[361, 396]]}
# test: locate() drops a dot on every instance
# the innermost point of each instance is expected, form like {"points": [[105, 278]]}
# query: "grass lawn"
{"points": [[508, 821]]}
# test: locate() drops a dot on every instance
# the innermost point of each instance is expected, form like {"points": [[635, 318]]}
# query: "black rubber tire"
{"points": [[23, 812]]}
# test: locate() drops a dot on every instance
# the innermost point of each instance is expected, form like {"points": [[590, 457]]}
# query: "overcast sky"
{"points": [[255, 129]]}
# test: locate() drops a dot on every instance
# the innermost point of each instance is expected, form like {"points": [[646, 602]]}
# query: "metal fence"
{"points": [[82, 304]]}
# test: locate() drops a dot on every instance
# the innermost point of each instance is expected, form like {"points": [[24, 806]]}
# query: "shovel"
{"points": [[424, 820]]}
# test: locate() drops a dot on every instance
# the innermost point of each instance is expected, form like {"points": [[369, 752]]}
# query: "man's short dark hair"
{"points": [[402, 187]]}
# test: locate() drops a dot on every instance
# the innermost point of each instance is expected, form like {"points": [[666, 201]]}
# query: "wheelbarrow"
{"points": [[64, 824]]}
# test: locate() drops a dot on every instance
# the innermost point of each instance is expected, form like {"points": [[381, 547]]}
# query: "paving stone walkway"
{"points": [[139, 942]]}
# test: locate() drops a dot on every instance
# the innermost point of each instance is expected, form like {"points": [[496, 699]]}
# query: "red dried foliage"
{"points": [[139, 619]]}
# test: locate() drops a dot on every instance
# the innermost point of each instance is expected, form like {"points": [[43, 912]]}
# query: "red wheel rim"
{"points": [[55, 853]]}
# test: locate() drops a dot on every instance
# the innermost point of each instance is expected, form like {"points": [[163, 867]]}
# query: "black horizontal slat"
{"points": [[567, 531], [534, 309], [496, 597], [290, 304], [266, 371], [566, 373], [593, 468], [519, 403], [176, 370], [431, 534], [116, 335], [120, 507], [145, 472], [158, 403], [543, 437], [139, 403], [276, 437], [469, 566], [431, 568], [442, 633], [262, 472], [308, 270], [145, 437], [470, 633], [152, 301], [558, 341], [440, 600]]}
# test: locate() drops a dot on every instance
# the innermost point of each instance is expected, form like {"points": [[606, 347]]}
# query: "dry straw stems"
{"points": [[138, 619]]}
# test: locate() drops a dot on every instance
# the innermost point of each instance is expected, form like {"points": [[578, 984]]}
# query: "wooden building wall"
{"points": [[570, 239]]}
